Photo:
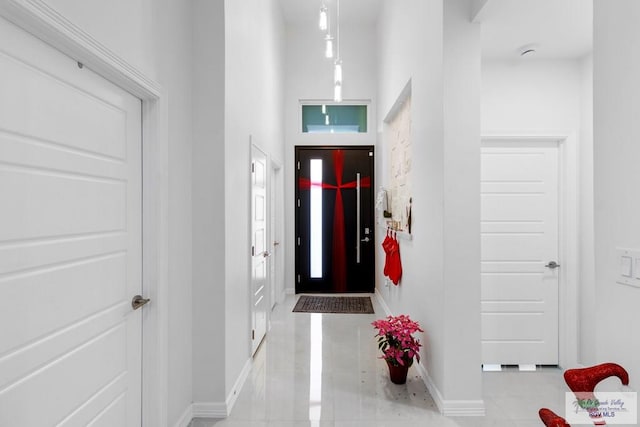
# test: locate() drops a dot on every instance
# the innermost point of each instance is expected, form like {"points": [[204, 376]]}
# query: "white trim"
{"points": [[289, 291], [223, 409], [568, 232], [209, 410], [449, 408], [237, 387], [44, 22], [383, 303], [38, 18], [186, 417], [405, 94]]}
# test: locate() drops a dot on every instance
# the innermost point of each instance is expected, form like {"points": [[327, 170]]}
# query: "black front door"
{"points": [[334, 219]]}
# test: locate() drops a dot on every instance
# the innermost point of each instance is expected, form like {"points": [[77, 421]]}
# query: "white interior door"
{"points": [[519, 193], [259, 247], [70, 241]]}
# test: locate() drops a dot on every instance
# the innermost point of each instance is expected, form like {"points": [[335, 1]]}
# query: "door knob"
{"points": [[552, 265], [366, 239], [138, 302], [266, 254]]}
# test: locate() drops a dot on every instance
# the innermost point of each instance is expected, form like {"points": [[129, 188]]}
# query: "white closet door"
{"points": [[70, 241], [519, 189]]}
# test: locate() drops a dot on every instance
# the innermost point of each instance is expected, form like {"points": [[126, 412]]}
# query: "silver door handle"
{"points": [[138, 302], [358, 218], [552, 265], [366, 239]]}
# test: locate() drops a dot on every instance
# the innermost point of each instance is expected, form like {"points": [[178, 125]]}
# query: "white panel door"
{"points": [[70, 241], [519, 193], [259, 247]]}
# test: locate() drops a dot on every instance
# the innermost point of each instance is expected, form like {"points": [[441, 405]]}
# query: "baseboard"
{"points": [[235, 391], [383, 303], [223, 409], [209, 410], [450, 408], [186, 417]]}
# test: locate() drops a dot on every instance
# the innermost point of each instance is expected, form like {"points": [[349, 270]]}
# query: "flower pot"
{"points": [[398, 374]]}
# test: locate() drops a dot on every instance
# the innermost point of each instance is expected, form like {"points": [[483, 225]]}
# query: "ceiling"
{"points": [[558, 28], [351, 11]]}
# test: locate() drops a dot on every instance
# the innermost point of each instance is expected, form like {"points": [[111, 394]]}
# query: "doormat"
{"points": [[350, 305]]}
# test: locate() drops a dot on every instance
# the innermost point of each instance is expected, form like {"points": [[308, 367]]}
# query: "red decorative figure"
{"points": [[550, 419], [583, 381]]}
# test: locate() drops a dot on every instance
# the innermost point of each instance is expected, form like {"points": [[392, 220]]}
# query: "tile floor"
{"points": [[316, 370]]}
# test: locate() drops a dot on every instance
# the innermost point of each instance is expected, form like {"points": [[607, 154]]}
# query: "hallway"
{"points": [[345, 385]]}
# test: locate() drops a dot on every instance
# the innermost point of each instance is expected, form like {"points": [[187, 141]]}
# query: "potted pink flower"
{"points": [[398, 345]]}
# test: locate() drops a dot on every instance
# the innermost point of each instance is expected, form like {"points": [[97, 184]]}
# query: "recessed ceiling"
{"points": [[351, 11], [560, 29]]}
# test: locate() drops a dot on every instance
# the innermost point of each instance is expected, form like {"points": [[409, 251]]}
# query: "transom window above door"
{"points": [[327, 118]]}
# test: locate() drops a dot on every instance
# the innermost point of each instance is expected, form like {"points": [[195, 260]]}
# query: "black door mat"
{"points": [[322, 304]]}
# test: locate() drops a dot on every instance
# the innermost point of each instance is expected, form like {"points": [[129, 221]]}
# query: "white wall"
{"points": [[254, 55], [309, 76], [616, 152], [208, 195], [461, 209], [419, 40], [534, 95], [587, 281], [174, 60]]}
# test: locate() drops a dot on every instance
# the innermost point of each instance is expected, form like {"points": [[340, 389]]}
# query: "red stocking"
{"points": [[395, 271], [386, 245]]}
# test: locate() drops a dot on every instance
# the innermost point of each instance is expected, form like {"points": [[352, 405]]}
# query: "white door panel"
{"points": [[519, 295], [70, 241]]}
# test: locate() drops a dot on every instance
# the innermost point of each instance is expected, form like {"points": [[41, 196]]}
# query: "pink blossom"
{"points": [[395, 339]]}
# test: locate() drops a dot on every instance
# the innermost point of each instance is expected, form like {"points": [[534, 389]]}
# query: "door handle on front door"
{"points": [[366, 239], [552, 265]]}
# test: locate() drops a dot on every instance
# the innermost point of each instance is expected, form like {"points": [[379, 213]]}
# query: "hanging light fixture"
{"points": [[337, 65], [324, 19], [337, 71], [337, 92], [328, 50]]}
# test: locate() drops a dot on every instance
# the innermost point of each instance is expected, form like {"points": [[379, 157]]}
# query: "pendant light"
{"points": [[337, 92], [324, 19], [328, 50], [337, 66]]}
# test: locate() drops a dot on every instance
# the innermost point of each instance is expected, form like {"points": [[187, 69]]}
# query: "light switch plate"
{"points": [[628, 266]]}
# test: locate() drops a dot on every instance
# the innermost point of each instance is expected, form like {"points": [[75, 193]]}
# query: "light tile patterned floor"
{"points": [[295, 384]]}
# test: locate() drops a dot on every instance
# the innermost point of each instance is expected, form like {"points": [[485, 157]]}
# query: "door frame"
{"points": [[372, 148], [568, 227], [276, 227], [39, 19]]}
